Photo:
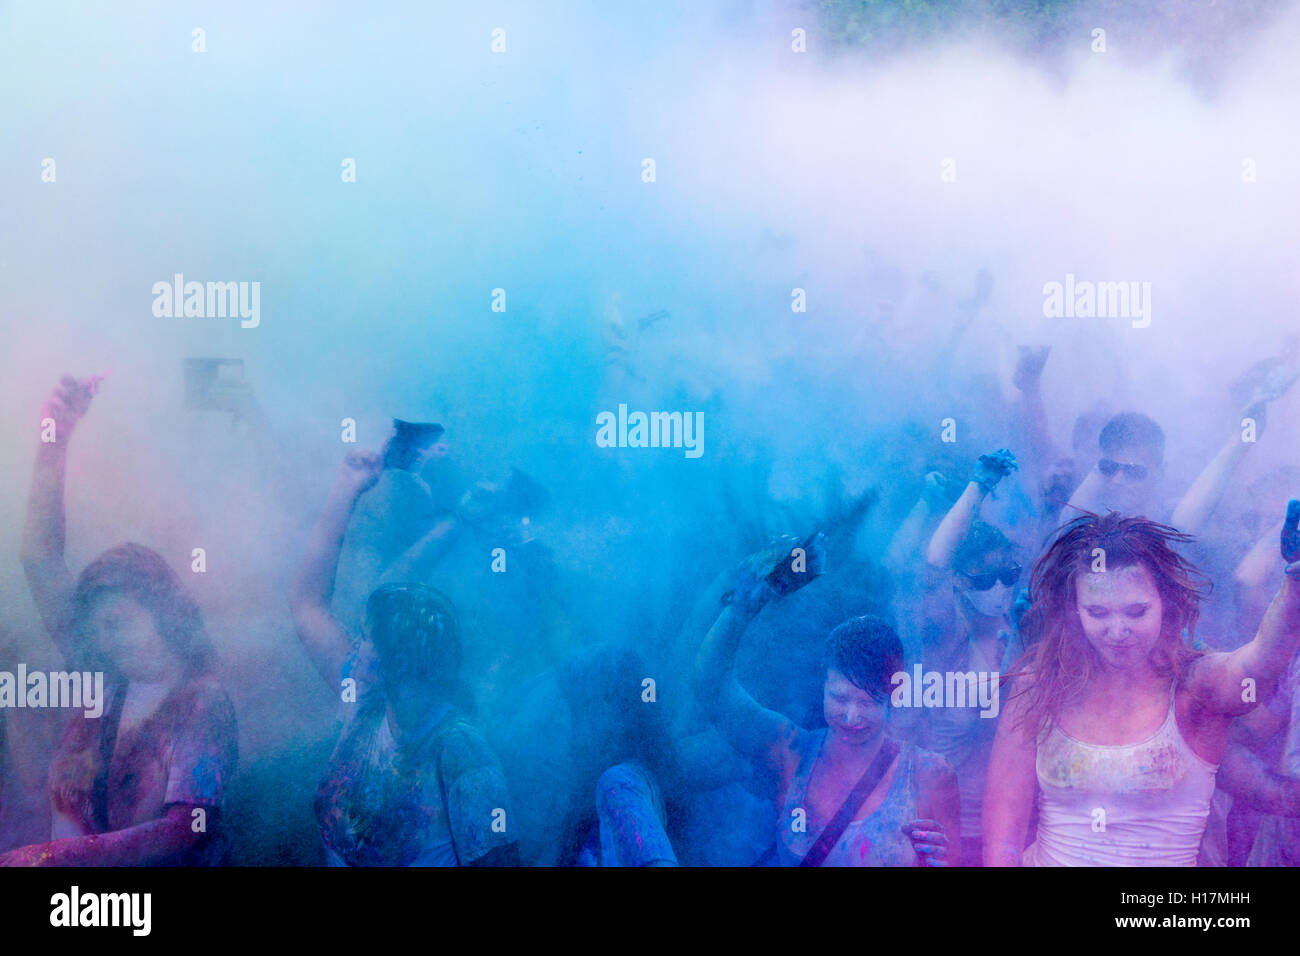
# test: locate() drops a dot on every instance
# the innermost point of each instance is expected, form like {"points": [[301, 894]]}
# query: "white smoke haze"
{"points": [[522, 171]]}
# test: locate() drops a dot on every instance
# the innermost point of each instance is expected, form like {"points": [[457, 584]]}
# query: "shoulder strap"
{"points": [[868, 782]]}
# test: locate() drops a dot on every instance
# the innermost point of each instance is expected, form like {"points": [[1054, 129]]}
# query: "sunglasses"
{"points": [[1108, 467], [986, 580]]}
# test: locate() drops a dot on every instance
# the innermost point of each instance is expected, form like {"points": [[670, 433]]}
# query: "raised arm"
{"points": [[747, 725], [42, 546], [420, 558], [1088, 496], [906, 543], [1219, 680], [324, 638], [1195, 508], [1028, 416], [956, 523], [1197, 505], [1259, 567]]}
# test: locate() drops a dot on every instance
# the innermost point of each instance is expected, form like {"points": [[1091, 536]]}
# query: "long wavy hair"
{"points": [[1059, 661], [143, 575]]}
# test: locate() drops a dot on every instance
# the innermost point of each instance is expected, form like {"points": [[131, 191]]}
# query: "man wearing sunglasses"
{"points": [[1126, 478]]}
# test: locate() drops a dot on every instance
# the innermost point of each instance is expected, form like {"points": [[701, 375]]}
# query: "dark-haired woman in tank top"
{"points": [[846, 795]]}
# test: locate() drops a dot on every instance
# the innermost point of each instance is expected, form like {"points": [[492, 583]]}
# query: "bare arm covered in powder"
{"points": [[743, 722], [1220, 681], [146, 844], [957, 522], [1193, 511], [1012, 780], [323, 637], [44, 533]]}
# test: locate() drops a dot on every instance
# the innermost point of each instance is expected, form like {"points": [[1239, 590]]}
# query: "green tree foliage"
{"points": [[902, 23]]}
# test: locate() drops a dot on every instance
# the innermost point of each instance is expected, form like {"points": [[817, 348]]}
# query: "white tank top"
{"points": [[1142, 804]]}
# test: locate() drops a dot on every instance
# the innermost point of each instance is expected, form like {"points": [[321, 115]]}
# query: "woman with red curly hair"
{"points": [[1114, 721]]}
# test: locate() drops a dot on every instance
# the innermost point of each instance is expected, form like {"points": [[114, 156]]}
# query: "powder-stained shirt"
{"points": [[876, 840], [441, 801], [185, 752]]}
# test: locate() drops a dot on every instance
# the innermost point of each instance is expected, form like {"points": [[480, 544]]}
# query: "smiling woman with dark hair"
{"points": [[1115, 722], [847, 795], [143, 783]]}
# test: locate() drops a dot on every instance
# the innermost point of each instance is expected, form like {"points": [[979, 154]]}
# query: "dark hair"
{"points": [[1059, 661], [979, 541], [1132, 428], [143, 575], [415, 632], [868, 652]]}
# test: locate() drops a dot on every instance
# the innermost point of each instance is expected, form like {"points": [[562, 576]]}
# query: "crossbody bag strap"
{"points": [[868, 782]]}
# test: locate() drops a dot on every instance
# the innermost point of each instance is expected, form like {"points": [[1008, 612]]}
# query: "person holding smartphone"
{"points": [[847, 795]]}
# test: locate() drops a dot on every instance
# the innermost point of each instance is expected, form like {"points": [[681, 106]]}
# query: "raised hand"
{"points": [[359, 471], [993, 468], [1291, 538], [776, 571], [1276, 384], [69, 401], [751, 589], [792, 569], [1029, 367], [1020, 607]]}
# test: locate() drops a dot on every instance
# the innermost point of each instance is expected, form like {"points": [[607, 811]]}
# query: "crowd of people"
{"points": [[1073, 706]]}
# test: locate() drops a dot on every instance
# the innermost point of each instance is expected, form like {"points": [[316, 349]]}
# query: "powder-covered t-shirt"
{"points": [[185, 752], [441, 800]]}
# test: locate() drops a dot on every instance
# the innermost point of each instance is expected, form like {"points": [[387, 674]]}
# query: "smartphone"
{"points": [[785, 579], [408, 447], [206, 378]]}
